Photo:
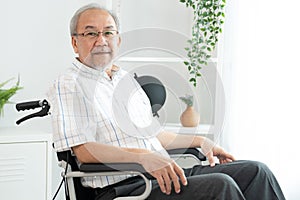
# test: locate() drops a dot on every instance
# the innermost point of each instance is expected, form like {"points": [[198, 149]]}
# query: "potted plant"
{"points": [[190, 117], [207, 25], [6, 94]]}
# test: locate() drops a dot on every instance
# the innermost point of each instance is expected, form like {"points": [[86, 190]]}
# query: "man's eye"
{"points": [[108, 33], [91, 34]]}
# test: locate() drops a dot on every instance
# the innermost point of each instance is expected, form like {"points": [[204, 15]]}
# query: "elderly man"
{"points": [[84, 104]]}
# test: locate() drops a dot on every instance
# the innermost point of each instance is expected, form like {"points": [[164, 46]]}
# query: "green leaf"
{"points": [[6, 94], [192, 80], [5, 82]]}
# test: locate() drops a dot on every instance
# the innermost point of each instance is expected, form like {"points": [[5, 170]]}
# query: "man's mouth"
{"points": [[101, 52]]}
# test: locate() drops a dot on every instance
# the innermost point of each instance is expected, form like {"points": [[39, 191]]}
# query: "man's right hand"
{"points": [[165, 170]]}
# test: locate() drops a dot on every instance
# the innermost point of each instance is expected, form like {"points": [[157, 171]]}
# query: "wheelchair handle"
{"points": [[29, 105], [32, 105]]}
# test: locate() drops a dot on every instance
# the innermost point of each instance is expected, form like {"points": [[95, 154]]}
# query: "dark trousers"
{"points": [[249, 180]]}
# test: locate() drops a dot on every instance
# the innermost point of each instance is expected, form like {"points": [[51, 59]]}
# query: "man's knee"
{"points": [[257, 168], [222, 186], [222, 180]]}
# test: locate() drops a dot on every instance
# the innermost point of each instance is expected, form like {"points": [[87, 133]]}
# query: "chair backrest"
{"points": [[155, 91], [82, 193]]}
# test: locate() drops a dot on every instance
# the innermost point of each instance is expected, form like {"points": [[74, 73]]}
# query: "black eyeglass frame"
{"points": [[96, 34]]}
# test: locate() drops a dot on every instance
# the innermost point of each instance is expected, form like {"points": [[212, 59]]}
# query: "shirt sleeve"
{"points": [[73, 117]]}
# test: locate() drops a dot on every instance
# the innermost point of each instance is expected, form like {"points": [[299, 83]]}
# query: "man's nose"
{"points": [[101, 40]]}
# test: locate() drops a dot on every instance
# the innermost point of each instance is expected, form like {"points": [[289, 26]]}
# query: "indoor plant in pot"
{"points": [[190, 117]]}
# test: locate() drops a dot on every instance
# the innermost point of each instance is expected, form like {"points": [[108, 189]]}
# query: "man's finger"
{"points": [[167, 183], [161, 183], [174, 174], [229, 156], [181, 174], [211, 159]]}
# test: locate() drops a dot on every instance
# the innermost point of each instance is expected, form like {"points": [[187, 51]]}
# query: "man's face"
{"points": [[96, 52]]}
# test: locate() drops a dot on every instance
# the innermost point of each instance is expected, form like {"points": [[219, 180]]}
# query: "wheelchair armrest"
{"points": [[114, 167], [193, 151], [111, 167]]}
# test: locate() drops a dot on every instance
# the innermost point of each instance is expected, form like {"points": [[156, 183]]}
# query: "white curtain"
{"points": [[260, 73]]}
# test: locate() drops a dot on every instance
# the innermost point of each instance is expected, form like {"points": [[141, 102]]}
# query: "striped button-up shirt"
{"points": [[89, 106]]}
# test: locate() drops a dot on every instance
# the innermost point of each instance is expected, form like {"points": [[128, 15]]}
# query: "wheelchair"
{"points": [[72, 172]]}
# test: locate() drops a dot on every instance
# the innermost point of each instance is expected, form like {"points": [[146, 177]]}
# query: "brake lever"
{"points": [[43, 112]]}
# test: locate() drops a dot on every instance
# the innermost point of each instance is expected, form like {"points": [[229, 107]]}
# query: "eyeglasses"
{"points": [[94, 34]]}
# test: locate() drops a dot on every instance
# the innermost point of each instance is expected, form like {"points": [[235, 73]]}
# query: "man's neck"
{"points": [[110, 71]]}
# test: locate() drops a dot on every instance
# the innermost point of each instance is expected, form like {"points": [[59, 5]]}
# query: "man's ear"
{"points": [[74, 44], [119, 41]]}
